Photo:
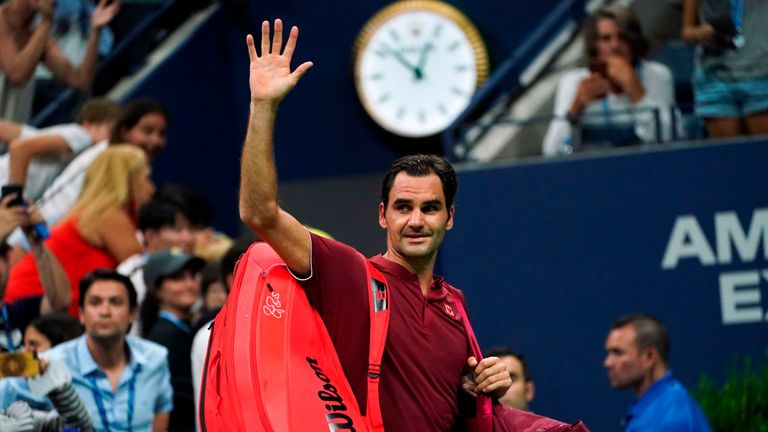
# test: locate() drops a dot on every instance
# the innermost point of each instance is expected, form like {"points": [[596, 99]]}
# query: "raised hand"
{"points": [[271, 78], [104, 13]]}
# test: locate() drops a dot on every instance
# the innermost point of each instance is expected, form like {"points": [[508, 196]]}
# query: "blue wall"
{"points": [[322, 130], [550, 253]]}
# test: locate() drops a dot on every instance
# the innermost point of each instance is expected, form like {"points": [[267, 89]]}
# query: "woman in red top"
{"points": [[100, 230]]}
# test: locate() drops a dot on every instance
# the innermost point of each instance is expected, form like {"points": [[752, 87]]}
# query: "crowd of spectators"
{"points": [[619, 97], [114, 283]]}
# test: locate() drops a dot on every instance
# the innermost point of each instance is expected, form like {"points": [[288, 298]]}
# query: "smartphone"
{"points": [[12, 189], [21, 364]]}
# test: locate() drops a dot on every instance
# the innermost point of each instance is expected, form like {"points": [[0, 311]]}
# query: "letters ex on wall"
{"points": [[731, 243]]}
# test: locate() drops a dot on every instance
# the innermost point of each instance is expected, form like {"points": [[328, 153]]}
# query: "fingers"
{"points": [[251, 47], [277, 38], [264, 38], [491, 374], [7, 199], [301, 70], [290, 46], [472, 361]]}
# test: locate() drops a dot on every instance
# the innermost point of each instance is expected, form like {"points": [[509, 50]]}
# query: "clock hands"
{"points": [[418, 71], [399, 57]]}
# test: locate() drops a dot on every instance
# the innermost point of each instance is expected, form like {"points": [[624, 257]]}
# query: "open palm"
{"points": [[270, 74], [103, 13]]}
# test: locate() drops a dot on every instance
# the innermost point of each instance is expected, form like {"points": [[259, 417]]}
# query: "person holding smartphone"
{"points": [[99, 231], [613, 100]]}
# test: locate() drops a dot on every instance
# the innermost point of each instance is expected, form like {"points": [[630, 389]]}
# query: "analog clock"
{"points": [[417, 63]]}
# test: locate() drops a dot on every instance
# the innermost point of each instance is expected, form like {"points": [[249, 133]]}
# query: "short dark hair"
{"points": [[103, 274], [649, 333], [133, 111], [504, 351], [57, 327], [420, 165], [189, 201], [629, 28], [157, 214]]}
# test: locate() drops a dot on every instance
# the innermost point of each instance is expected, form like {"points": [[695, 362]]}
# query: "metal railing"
{"points": [[128, 55], [505, 83]]}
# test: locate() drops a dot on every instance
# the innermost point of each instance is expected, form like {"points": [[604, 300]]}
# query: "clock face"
{"points": [[417, 68]]}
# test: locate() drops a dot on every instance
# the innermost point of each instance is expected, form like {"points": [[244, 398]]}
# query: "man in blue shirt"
{"points": [[637, 359], [124, 381]]}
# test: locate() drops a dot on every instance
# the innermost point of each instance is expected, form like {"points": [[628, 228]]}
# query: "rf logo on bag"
{"points": [[272, 306]]}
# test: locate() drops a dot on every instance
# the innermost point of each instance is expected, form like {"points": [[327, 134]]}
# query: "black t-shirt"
{"points": [[179, 345]]}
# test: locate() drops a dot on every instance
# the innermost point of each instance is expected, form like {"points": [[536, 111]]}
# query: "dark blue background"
{"points": [[549, 254]]}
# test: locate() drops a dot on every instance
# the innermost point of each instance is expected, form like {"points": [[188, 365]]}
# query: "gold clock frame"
{"points": [[435, 6]]}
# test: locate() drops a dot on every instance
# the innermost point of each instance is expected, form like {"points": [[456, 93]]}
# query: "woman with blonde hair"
{"points": [[99, 231]]}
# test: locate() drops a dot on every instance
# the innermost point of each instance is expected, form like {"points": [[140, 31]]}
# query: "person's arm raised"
{"points": [[270, 81]]}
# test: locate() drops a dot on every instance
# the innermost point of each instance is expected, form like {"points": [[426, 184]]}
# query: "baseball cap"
{"points": [[168, 262]]}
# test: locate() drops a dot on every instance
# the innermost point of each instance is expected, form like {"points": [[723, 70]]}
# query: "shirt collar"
{"points": [[657, 387], [436, 292], [87, 364]]}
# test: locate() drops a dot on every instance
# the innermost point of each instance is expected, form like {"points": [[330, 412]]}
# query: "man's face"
{"points": [[521, 392], [179, 235], [106, 313], [148, 134], [610, 42], [416, 217], [625, 364]]}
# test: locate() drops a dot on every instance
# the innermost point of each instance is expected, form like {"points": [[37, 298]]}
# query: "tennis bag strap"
{"points": [[379, 307], [501, 419]]}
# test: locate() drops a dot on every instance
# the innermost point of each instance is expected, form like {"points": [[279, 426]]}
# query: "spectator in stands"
{"points": [[24, 43], [611, 101], [36, 156], [173, 279], [48, 401], [520, 394], [71, 26], [42, 334], [209, 244], [731, 75], [99, 231], [56, 288], [124, 381], [638, 359], [162, 226], [142, 123]]}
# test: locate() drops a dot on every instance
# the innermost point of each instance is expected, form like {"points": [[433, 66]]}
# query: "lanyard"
{"points": [[737, 14], [8, 330], [100, 401], [176, 321]]}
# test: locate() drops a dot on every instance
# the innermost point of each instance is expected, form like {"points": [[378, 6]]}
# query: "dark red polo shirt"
{"points": [[426, 349]]}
